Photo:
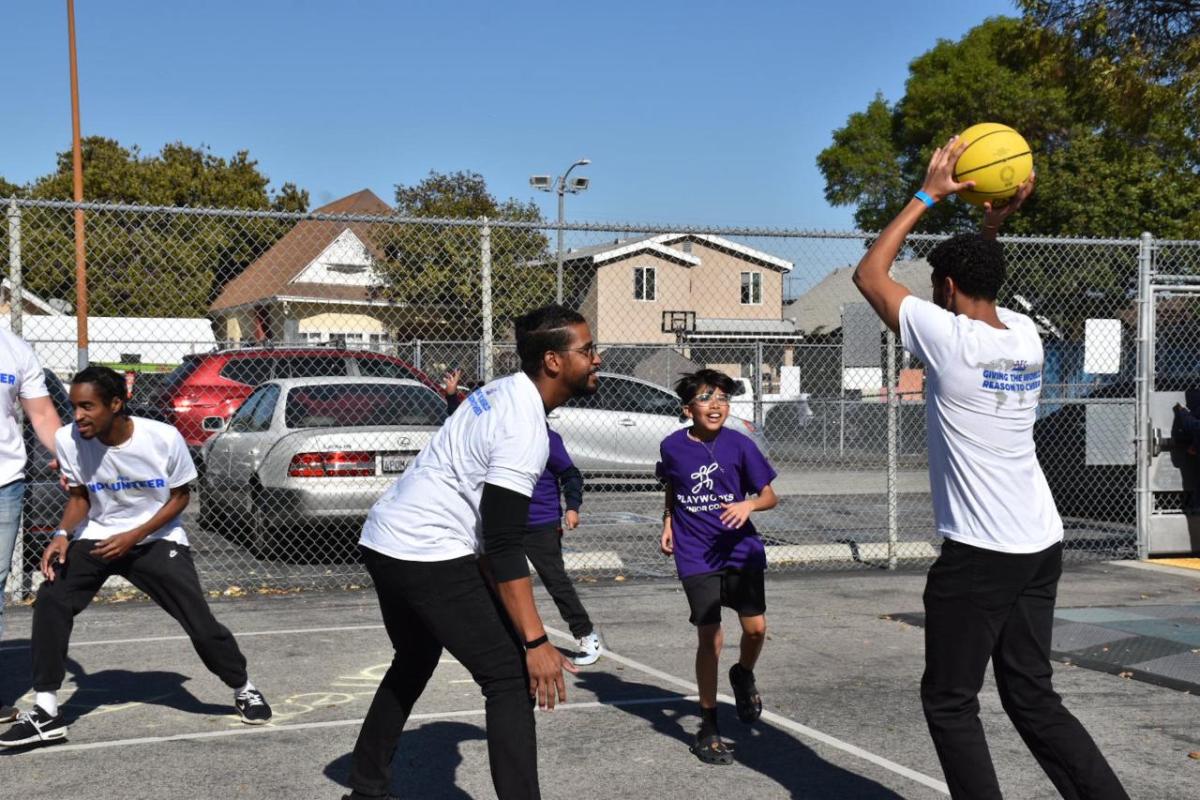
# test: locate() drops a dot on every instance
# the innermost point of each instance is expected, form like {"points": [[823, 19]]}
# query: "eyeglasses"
{"points": [[710, 399], [587, 351]]}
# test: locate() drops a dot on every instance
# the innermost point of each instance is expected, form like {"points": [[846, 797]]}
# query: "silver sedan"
{"points": [[309, 452], [616, 431]]}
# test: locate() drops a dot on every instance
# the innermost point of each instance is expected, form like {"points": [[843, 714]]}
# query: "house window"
{"points": [[310, 336], [751, 288], [645, 283]]}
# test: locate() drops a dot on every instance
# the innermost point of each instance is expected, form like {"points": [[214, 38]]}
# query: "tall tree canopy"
{"points": [[131, 254], [1112, 146], [438, 267]]}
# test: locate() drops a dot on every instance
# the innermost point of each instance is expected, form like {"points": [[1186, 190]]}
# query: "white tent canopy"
{"points": [[115, 340]]}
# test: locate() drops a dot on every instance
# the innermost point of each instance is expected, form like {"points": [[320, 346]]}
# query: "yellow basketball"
{"points": [[997, 158]]}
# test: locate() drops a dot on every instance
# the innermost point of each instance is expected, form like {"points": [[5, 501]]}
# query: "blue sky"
{"points": [[692, 112]]}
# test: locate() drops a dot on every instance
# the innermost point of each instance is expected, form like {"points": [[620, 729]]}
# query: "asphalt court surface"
{"points": [[839, 680]]}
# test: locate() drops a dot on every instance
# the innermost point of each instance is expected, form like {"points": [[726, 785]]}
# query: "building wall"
{"points": [[320, 320], [717, 286], [620, 319], [712, 290]]}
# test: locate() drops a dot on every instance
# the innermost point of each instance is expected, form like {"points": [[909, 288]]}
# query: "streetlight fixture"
{"points": [[545, 184]]}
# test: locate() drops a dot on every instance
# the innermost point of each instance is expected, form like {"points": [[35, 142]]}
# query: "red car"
{"points": [[215, 384]]}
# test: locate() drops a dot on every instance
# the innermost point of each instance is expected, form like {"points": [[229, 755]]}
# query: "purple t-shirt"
{"points": [[544, 508], [701, 481]]}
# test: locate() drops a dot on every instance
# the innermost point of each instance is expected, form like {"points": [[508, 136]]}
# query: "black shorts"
{"points": [[740, 590]]}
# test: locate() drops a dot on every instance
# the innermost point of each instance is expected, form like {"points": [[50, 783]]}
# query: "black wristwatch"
{"points": [[538, 642]]}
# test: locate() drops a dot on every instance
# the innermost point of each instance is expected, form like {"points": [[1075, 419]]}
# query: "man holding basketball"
{"points": [[991, 592]]}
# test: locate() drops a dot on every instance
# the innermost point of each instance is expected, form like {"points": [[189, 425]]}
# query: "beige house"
{"points": [[683, 286]]}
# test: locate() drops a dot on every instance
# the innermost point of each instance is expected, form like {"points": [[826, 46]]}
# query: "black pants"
{"points": [[165, 572], [981, 604], [427, 606], [543, 548]]}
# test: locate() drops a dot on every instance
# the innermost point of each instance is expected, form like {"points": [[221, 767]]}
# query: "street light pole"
{"points": [[543, 183], [558, 275]]}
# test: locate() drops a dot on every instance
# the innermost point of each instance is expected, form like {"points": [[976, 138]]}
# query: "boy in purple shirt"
{"points": [[710, 473], [543, 545]]}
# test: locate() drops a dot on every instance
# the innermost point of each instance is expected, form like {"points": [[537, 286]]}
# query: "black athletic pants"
{"points": [[543, 547], [164, 571], [428, 606], [980, 605]]}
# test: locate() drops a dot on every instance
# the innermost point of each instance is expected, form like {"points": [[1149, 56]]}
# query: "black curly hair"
{"points": [[543, 329], [691, 383], [109, 385], [976, 264]]}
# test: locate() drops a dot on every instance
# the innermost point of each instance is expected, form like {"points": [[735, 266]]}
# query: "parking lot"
{"points": [[825, 520]]}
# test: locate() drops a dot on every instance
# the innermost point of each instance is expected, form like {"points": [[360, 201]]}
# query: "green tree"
{"points": [[1107, 146], [1099, 173], [132, 255], [10, 189], [435, 268]]}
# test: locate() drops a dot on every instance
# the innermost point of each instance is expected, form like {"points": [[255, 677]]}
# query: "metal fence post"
{"points": [[759, 414], [1144, 380], [485, 266], [16, 301], [17, 571], [892, 441]]}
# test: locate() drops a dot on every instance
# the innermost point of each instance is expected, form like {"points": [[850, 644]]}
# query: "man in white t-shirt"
{"points": [[466, 495], [990, 594], [128, 483], [21, 383]]}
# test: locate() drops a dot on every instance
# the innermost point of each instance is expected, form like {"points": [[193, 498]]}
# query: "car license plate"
{"points": [[394, 464]]}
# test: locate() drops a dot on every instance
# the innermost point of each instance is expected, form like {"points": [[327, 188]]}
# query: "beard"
{"points": [[583, 386]]}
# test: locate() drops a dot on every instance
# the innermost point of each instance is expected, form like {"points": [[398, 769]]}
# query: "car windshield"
{"points": [[338, 405]]}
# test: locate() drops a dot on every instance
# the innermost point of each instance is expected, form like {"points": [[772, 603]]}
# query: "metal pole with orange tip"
{"points": [[81, 295]]}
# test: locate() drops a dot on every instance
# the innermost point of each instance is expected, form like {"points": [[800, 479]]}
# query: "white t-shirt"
{"points": [[20, 377], [431, 513], [981, 395], [129, 483]]}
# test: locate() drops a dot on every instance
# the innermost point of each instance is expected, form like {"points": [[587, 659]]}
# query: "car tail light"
{"points": [[749, 426], [338, 464]]}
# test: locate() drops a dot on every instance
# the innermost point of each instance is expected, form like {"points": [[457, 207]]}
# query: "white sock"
{"points": [[48, 701], [248, 687]]}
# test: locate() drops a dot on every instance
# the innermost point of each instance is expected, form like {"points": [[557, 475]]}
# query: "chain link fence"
{"points": [[303, 357]]}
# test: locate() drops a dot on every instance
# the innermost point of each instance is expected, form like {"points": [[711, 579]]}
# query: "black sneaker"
{"points": [[36, 727], [252, 707], [745, 694], [8, 714]]}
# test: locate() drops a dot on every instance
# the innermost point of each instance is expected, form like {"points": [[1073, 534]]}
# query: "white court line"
{"points": [[337, 723], [185, 638], [783, 722]]}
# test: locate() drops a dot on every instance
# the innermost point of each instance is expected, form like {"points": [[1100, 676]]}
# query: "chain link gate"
{"points": [[303, 358], [1168, 471]]}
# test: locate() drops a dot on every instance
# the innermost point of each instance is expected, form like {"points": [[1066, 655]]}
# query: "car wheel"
{"points": [[263, 543], [208, 517]]}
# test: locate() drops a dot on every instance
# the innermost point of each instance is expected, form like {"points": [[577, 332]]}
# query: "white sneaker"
{"points": [[590, 648]]}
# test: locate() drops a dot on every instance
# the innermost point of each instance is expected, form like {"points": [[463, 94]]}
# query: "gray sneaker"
{"points": [[8, 714]]}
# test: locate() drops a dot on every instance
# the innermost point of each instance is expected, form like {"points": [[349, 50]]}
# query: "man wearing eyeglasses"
{"points": [[460, 511]]}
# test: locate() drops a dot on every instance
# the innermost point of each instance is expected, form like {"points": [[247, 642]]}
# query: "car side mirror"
{"points": [[213, 424]]}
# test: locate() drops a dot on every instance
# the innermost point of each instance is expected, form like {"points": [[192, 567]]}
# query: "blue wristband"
{"points": [[925, 198]]}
